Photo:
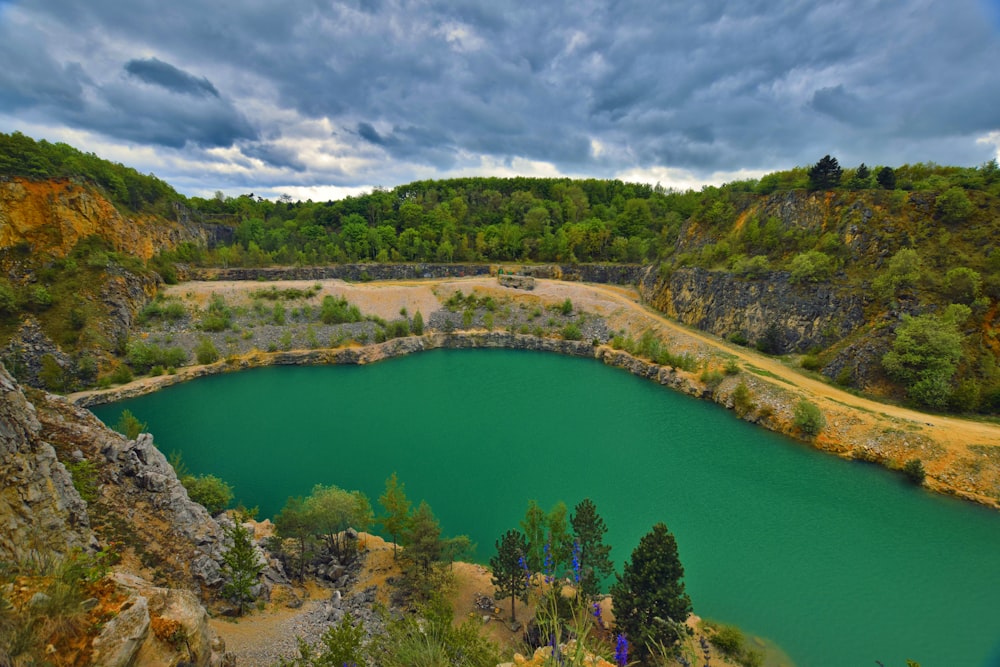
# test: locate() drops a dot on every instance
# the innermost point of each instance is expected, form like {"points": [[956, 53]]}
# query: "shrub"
{"points": [[209, 491], [337, 310], [566, 308], [205, 352], [122, 374], [914, 471], [813, 266], [572, 332], [811, 362], [129, 425], [742, 399], [84, 474], [808, 418], [417, 326]]}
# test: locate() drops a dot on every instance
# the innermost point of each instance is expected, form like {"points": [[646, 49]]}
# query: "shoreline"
{"points": [[774, 413]]}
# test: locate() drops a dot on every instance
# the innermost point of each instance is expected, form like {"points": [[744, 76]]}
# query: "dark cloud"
{"points": [[407, 86], [163, 74]]}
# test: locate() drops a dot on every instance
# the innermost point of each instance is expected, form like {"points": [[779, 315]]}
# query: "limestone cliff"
{"points": [[806, 316], [52, 216], [40, 511]]}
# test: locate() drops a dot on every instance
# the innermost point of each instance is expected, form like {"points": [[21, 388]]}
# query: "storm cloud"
{"points": [[384, 91]]}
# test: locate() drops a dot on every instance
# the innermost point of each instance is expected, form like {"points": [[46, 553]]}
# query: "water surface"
{"points": [[840, 563]]}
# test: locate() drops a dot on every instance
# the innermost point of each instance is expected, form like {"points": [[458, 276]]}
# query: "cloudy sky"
{"points": [[318, 98]]}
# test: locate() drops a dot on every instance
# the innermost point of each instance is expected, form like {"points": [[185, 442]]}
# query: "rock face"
{"points": [[54, 215], [40, 511], [805, 315], [140, 498]]}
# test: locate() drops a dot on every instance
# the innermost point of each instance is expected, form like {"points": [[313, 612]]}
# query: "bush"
{"points": [[417, 325], [209, 491], [742, 399], [337, 310], [206, 352], [122, 374], [813, 266], [129, 425], [572, 332], [84, 474], [808, 418], [914, 471], [566, 308], [811, 362]]}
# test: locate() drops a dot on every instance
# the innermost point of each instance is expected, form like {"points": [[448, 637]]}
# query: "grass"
{"points": [[756, 370]]}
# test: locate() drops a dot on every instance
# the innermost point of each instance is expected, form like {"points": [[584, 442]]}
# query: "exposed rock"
{"points": [[517, 282], [140, 494], [119, 642], [806, 315], [40, 511]]}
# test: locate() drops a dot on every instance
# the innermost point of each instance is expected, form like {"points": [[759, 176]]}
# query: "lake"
{"points": [[839, 563]]}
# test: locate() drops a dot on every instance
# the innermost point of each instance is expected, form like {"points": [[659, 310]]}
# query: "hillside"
{"points": [[882, 280]]}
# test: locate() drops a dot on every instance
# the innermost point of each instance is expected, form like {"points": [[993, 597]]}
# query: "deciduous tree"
{"points": [[397, 509]]}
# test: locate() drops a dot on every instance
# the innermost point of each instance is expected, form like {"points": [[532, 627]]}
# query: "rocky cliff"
{"points": [[136, 508], [51, 216], [40, 511], [804, 315]]}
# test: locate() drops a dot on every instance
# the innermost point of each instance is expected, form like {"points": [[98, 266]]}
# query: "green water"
{"points": [[839, 563]]}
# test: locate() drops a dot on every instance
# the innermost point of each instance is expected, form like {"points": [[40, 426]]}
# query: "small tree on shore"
{"points": [[397, 510], [509, 568], [594, 556], [241, 566]]}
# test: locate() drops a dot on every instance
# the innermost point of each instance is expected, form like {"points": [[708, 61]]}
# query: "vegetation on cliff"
{"points": [[882, 244]]}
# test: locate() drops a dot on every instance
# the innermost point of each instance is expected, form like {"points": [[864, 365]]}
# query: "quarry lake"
{"points": [[839, 563]]}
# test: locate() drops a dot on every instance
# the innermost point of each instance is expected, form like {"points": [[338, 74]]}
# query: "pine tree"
{"points": [[593, 555], [825, 174], [241, 566], [424, 550], [397, 510], [649, 598], [886, 178], [509, 568]]}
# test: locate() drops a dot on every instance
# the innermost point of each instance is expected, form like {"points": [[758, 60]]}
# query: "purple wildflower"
{"points": [[548, 564], [621, 651], [597, 614], [576, 561], [527, 573]]}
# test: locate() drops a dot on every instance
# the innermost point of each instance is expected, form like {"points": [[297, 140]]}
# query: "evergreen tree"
{"points": [[886, 178], [649, 598], [424, 549], [825, 174], [241, 566], [509, 573], [397, 510], [593, 555]]}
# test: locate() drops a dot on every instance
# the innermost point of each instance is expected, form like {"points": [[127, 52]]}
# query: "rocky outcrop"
{"points": [[139, 499], [157, 627], [803, 315], [52, 216], [40, 511]]}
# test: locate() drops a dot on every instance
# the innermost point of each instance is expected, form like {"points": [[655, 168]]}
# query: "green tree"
{"points": [[424, 550], [534, 526], [52, 375], [205, 351], [904, 271], [649, 598], [560, 540], [963, 285], [295, 522], [129, 425], [953, 206], [417, 326], [397, 510], [812, 266], [925, 354], [825, 174], [593, 554], [241, 566], [332, 511], [508, 565], [208, 491], [8, 299], [808, 418], [886, 178]]}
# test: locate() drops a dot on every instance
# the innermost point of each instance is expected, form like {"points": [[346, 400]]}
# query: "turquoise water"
{"points": [[840, 563]]}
